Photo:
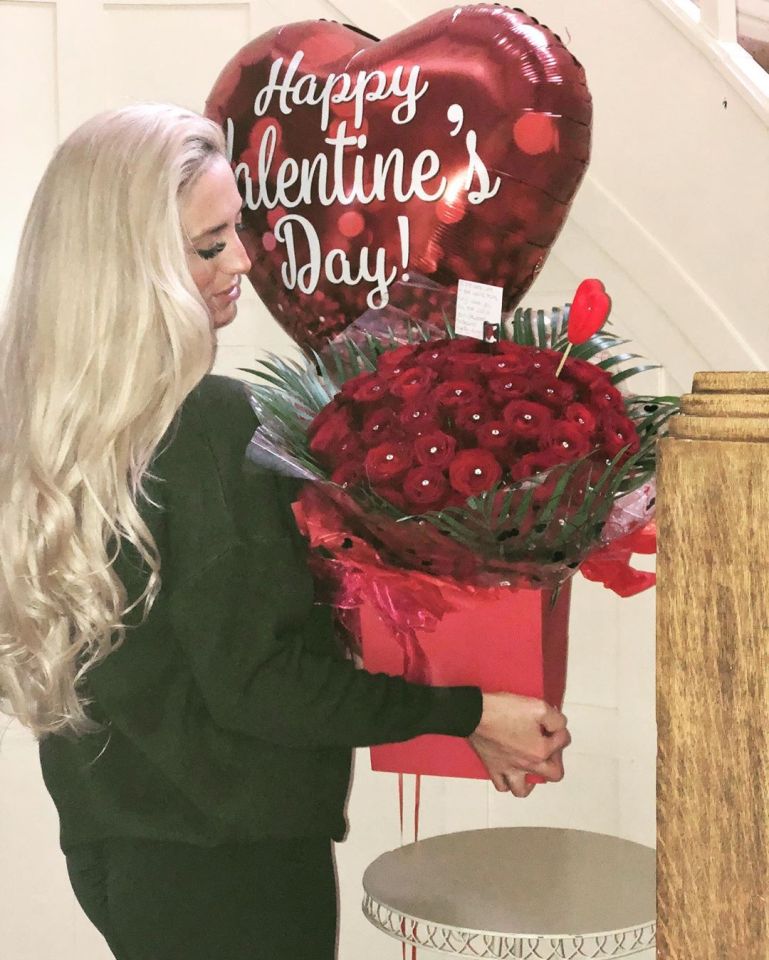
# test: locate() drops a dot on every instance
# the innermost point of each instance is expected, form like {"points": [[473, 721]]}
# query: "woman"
{"points": [[157, 626]]}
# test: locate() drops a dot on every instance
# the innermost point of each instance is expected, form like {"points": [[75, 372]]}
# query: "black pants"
{"points": [[173, 901]]}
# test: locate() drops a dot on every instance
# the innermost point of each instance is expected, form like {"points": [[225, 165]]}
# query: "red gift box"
{"points": [[500, 640]]}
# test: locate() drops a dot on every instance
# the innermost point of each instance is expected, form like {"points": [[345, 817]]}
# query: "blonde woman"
{"points": [[157, 626]]}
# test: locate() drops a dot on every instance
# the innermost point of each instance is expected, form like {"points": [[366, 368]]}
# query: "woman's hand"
{"points": [[520, 735]]}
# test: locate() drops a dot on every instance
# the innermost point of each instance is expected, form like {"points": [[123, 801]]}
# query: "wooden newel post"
{"points": [[713, 673]]}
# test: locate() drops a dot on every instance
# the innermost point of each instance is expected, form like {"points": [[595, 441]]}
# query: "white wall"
{"points": [[674, 216]]}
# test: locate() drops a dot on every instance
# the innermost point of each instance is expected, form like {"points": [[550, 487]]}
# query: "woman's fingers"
{"points": [[517, 784], [551, 769]]}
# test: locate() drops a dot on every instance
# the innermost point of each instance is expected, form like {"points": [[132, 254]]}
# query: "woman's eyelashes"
{"points": [[217, 248], [211, 252]]}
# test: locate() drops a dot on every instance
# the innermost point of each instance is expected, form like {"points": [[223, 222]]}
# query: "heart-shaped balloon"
{"points": [[385, 172]]}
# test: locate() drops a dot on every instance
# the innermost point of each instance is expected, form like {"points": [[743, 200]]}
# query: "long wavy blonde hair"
{"points": [[103, 336]]}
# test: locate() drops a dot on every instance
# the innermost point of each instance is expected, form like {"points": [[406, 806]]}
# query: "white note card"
{"points": [[479, 310]]}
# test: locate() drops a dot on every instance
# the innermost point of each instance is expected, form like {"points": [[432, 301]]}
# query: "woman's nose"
{"points": [[239, 261]]}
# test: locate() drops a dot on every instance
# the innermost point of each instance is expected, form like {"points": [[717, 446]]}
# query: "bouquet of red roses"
{"points": [[456, 487], [480, 461]]}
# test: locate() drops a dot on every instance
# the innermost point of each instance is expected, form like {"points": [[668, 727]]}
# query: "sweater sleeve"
{"points": [[263, 653], [261, 676]]}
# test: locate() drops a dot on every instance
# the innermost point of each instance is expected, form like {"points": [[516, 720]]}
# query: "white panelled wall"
{"points": [[674, 217]]}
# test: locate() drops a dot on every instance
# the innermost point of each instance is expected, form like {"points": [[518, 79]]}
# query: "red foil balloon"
{"points": [[387, 171]]}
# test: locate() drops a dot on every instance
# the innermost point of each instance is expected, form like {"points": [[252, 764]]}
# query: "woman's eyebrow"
{"points": [[208, 233], [213, 230]]}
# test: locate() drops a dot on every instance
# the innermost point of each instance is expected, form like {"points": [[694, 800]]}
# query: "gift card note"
{"points": [[479, 311]]}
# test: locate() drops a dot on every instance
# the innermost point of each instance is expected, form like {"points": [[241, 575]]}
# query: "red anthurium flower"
{"points": [[472, 472], [435, 449], [425, 488], [588, 312], [388, 461]]}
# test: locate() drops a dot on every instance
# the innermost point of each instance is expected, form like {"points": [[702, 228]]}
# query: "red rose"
{"points": [[618, 432], [606, 397], [472, 415], [529, 420], [425, 488], [377, 425], [329, 412], [349, 474], [530, 464], [387, 462], [456, 393], [534, 465], [510, 348], [509, 387], [472, 472], [554, 393], [369, 389], [464, 366], [350, 386], [504, 365], [333, 435], [394, 496], [585, 373], [418, 416], [496, 436], [432, 353], [398, 359], [412, 383], [582, 418], [435, 449], [568, 442], [462, 345], [544, 361]]}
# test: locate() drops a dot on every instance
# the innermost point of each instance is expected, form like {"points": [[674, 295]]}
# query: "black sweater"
{"points": [[230, 712]]}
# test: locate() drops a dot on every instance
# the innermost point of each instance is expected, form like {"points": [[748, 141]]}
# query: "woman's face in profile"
{"points": [[216, 257]]}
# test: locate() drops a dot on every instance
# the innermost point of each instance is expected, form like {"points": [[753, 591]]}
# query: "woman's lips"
{"points": [[231, 293]]}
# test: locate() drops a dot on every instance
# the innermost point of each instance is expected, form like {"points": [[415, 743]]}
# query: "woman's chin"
{"points": [[221, 318]]}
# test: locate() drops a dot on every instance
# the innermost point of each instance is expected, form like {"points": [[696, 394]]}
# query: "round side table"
{"points": [[530, 893]]}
